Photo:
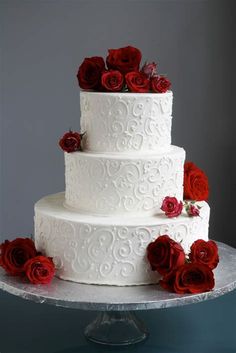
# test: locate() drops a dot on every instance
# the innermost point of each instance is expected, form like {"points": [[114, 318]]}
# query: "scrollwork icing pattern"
{"points": [[112, 254], [111, 185], [123, 122]]}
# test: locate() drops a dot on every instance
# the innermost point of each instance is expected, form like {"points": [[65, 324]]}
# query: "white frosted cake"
{"points": [[124, 180], [98, 230]]}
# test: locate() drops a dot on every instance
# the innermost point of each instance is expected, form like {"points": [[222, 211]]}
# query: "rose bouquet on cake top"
{"points": [[121, 72]]}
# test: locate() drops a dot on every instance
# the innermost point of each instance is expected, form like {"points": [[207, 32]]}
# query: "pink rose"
{"points": [[193, 211], [171, 206], [149, 69]]}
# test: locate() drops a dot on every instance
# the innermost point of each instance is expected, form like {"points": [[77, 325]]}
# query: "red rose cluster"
{"points": [[71, 141], [121, 74], [196, 188], [173, 208], [182, 274], [19, 257]]}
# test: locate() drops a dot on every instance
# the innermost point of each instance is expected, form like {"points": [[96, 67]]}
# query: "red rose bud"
{"points": [[70, 142], [124, 59], [204, 252], [112, 81], [192, 211], [40, 270], [171, 206], [14, 254], [89, 73], [137, 82], [149, 69], [165, 255], [160, 84], [189, 278], [195, 183]]}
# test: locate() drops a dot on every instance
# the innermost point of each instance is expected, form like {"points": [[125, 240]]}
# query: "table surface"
{"points": [[93, 297]]}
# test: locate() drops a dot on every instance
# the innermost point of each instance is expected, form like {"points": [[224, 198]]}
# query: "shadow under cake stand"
{"points": [[116, 324]]}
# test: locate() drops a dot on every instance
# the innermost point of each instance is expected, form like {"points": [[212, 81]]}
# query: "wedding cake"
{"points": [[119, 172]]}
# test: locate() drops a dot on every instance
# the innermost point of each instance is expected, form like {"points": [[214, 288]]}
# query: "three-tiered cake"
{"points": [[99, 229]]}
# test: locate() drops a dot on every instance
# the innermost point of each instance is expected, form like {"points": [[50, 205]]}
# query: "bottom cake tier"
{"points": [[108, 250]]}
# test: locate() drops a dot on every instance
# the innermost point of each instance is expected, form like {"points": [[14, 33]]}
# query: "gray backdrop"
{"points": [[42, 45]]}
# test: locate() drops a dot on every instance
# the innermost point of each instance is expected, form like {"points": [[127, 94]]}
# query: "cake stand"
{"points": [[116, 324]]}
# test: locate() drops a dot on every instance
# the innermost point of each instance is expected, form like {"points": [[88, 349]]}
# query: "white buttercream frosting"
{"points": [[125, 184], [126, 122], [99, 229], [108, 250]]}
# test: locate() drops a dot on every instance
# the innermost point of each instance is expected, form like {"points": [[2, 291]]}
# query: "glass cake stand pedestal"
{"points": [[116, 324]]}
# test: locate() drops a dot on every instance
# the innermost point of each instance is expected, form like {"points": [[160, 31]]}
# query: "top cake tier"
{"points": [[126, 122]]}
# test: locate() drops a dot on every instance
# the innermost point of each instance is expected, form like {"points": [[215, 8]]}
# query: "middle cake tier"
{"points": [[109, 184]]}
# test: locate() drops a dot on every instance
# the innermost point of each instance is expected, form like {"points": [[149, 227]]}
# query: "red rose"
{"points": [[171, 206], [160, 84], [15, 253], [204, 252], [124, 59], [70, 142], [137, 82], [164, 254], [189, 166], [195, 183], [168, 281], [40, 270], [189, 278], [112, 81], [149, 69], [89, 73]]}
